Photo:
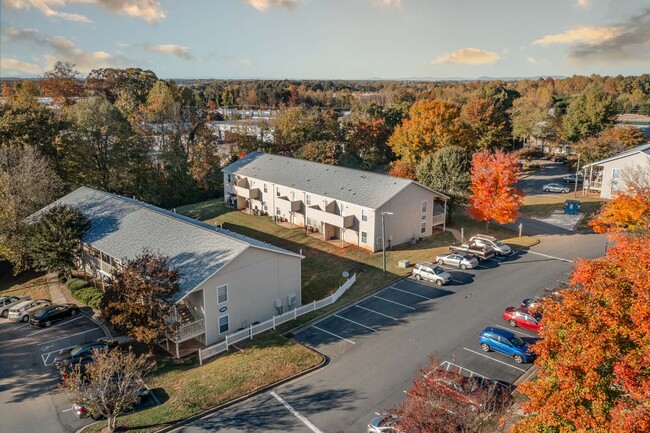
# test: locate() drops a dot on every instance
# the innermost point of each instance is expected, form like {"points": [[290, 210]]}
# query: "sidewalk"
{"points": [[56, 293]]}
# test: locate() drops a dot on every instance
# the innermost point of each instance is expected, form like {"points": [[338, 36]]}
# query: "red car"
{"points": [[521, 317]]}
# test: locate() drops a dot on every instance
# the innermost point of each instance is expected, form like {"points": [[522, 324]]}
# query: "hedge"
{"points": [[85, 294]]}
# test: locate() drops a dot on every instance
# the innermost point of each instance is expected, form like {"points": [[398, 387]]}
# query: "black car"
{"points": [[82, 353], [45, 316]]}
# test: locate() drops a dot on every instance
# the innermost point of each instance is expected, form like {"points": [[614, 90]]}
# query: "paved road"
{"points": [[374, 360], [30, 400], [549, 172]]}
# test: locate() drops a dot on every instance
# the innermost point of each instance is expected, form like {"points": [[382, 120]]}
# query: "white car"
{"points": [[555, 187], [431, 272], [6, 302], [21, 312], [382, 424], [492, 242]]}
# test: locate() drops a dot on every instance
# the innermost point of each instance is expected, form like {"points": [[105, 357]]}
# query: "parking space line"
{"points": [[66, 410], [331, 333], [393, 302], [67, 336], [410, 293], [551, 257], [55, 326], [356, 323], [47, 358], [516, 331], [376, 312], [22, 326], [496, 360], [297, 414]]}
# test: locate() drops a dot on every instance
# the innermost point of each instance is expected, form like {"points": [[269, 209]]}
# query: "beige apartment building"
{"points": [[334, 202], [227, 281], [608, 176]]}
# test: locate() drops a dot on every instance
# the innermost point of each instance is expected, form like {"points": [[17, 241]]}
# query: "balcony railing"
{"points": [[241, 191], [330, 218], [188, 330], [286, 205], [438, 219]]}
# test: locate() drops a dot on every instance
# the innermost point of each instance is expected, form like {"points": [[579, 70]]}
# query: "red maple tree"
{"points": [[494, 196]]}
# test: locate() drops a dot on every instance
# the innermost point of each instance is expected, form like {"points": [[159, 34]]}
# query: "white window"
{"points": [[364, 237], [364, 215], [266, 208], [309, 222], [229, 179], [616, 173], [423, 227], [223, 324], [222, 294], [308, 199], [424, 206], [265, 188], [277, 191], [380, 241]]}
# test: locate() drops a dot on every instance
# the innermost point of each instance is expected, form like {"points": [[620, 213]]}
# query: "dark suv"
{"points": [[82, 353]]}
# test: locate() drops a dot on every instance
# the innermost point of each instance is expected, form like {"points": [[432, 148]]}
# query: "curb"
{"points": [[99, 323], [324, 363], [524, 378]]}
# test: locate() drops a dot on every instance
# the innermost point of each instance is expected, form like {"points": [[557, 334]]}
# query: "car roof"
{"points": [[484, 237], [498, 331], [20, 305], [425, 264]]}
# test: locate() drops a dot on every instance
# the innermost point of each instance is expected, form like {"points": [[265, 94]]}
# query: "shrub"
{"points": [[529, 153], [89, 295], [75, 284]]}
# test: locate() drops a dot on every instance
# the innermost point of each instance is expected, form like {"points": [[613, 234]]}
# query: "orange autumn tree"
{"points": [[594, 356], [494, 196]]}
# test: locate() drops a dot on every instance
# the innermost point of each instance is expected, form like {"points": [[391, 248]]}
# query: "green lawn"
{"points": [[188, 389]]}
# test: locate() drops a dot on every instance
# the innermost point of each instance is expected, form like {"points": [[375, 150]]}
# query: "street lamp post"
{"points": [[383, 238]]}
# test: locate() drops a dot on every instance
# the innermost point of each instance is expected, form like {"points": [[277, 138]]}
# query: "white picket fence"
{"points": [[252, 330]]}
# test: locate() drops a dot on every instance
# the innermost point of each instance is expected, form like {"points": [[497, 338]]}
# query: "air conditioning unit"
{"points": [[292, 299], [278, 303]]}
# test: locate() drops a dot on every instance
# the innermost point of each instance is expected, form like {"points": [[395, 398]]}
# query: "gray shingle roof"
{"points": [[122, 227], [642, 148], [359, 187]]}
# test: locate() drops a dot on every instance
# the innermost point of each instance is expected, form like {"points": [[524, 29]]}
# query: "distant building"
{"points": [[228, 281], [606, 176], [336, 203]]}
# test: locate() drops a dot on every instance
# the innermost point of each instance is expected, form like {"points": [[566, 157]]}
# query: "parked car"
{"points": [[462, 389], [6, 302], [555, 187], [462, 261], [81, 410], [531, 302], [22, 311], [503, 341], [571, 178], [431, 272], [491, 242], [559, 158], [45, 316], [382, 424], [522, 318], [82, 353], [481, 251]]}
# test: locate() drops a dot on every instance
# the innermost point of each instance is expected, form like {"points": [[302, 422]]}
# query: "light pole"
{"points": [[383, 238]]}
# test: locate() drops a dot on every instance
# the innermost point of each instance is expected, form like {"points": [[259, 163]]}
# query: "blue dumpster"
{"points": [[572, 207]]}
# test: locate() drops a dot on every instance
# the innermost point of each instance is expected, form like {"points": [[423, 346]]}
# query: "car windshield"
{"points": [[41, 313], [77, 349], [516, 341], [438, 270], [499, 243]]}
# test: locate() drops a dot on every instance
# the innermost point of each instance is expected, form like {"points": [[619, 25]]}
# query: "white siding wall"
{"points": [[631, 162], [255, 280], [405, 223]]}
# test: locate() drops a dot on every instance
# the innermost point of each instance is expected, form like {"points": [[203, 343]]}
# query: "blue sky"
{"points": [[331, 39]]}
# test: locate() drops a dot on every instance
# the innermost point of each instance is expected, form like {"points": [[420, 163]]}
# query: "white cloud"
{"points": [[468, 56], [531, 59], [171, 49], [581, 35], [15, 65], [64, 49], [583, 3], [263, 5], [147, 10], [389, 2]]}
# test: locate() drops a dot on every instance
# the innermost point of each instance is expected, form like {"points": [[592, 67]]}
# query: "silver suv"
{"points": [[492, 242], [431, 272], [6, 302]]}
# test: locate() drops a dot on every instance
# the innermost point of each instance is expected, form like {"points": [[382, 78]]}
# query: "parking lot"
{"points": [[410, 299], [29, 393]]}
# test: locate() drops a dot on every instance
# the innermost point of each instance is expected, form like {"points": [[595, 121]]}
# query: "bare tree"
{"points": [[109, 386]]}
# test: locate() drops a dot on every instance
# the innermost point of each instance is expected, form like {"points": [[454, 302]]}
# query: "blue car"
{"points": [[501, 340]]}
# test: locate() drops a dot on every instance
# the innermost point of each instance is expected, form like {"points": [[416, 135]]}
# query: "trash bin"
{"points": [[572, 207]]}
